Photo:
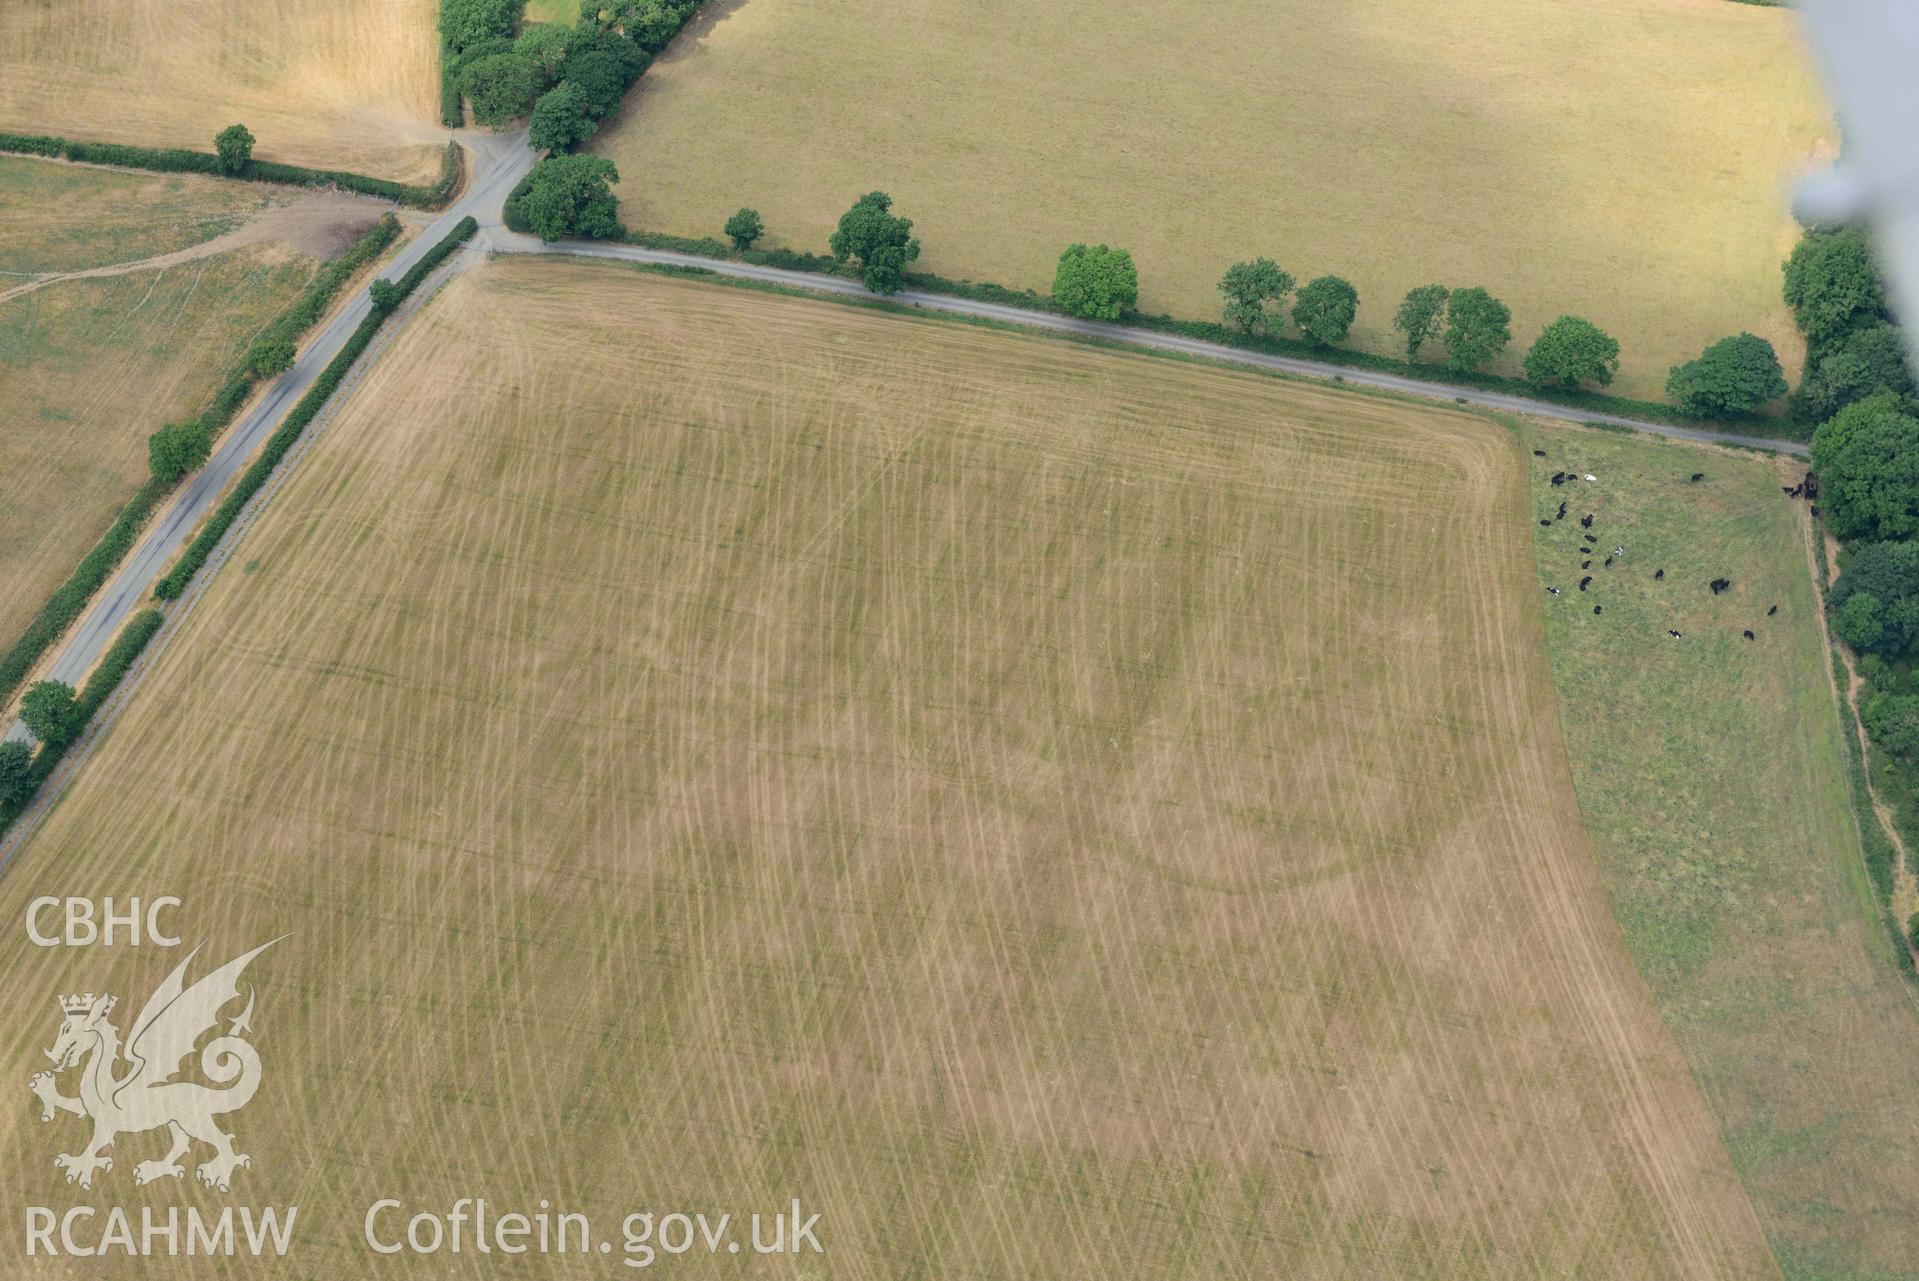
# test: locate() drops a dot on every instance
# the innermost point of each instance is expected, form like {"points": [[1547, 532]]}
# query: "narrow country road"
{"points": [[498, 162]]}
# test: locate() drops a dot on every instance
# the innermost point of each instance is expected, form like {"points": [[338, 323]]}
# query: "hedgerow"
{"points": [[72, 596], [182, 160], [284, 437], [113, 668]]}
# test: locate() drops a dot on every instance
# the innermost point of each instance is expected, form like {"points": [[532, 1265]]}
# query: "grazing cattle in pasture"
{"points": [[1698, 476], [1586, 521], [1749, 635], [1670, 632], [1772, 611], [1719, 585], [1585, 564], [1608, 564], [1559, 478], [1595, 609], [1658, 574], [1543, 521], [1810, 486], [1582, 582], [1539, 453], [1592, 538], [1552, 591]]}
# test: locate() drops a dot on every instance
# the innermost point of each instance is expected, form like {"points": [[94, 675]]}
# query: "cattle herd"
{"points": [[1587, 543]]}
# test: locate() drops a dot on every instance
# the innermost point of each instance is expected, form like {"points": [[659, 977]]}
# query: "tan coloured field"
{"points": [[1624, 160], [90, 367], [345, 84], [1055, 812]]}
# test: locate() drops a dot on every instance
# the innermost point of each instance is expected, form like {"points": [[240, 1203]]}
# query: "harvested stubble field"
{"points": [[1624, 160], [344, 84], [90, 367], [1042, 807], [1712, 781]]}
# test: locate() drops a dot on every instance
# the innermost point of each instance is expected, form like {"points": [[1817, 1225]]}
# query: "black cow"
{"points": [[1658, 574], [1608, 564], [1586, 521], [1539, 453], [1545, 522], [1592, 538], [1595, 609], [1719, 585], [1585, 564], [1749, 635], [1698, 476], [1584, 581], [1772, 611]]}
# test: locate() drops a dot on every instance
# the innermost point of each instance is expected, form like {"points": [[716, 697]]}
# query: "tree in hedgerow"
{"points": [[602, 66], [1885, 576], [16, 775], [1893, 721], [1096, 281], [235, 147], [1325, 308], [1867, 458], [464, 23], [1570, 351], [879, 240], [1421, 316], [1865, 362], [1249, 287], [560, 120], [648, 23], [52, 711], [269, 356], [1734, 376], [177, 449], [501, 86], [1478, 327], [568, 196], [1833, 285], [744, 227], [545, 46], [385, 295]]}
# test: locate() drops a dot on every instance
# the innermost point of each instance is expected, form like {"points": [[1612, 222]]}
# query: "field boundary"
{"points": [[1214, 332], [71, 598], [112, 701], [184, 160]]}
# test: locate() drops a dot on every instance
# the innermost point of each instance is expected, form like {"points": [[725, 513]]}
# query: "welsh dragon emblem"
{"points": [[144, 1096]]}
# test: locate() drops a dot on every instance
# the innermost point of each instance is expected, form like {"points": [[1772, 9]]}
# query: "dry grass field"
{"points": [[90, 367], [348, 84], [1058, 813], [1625, 160], [1711, 780]]}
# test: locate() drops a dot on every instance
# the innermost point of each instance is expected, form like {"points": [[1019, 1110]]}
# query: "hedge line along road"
{"points": [[497, 163]]}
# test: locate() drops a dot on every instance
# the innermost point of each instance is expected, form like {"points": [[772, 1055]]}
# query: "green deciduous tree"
{"points": [[879, 240], [1255, 294], [602, 67], [1570, 351], [52, 711], [1325, 308], [1097, 282], [1860, 622], [270, 356], [1478, 327], [501, 86], [16, 775], [1887, 576], [745, 227], [385, 295], [1421, 316], [1863, 363], [1893, 722], [560, 119], [234, 144], [545, 45], [177, 449], [1833, 286], [1734, 376], [1867, 458], [568, 196], [464, 23]]}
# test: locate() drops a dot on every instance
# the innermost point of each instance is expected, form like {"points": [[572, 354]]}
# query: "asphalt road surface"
{"points": [[498, 163]]}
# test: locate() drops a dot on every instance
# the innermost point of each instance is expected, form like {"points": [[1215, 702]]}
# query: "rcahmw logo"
{"points": [[128, 1087]]}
